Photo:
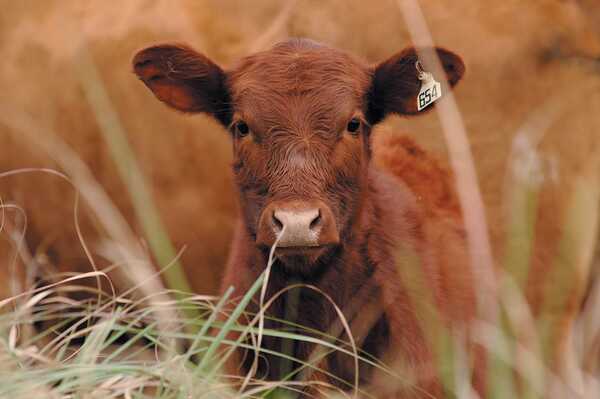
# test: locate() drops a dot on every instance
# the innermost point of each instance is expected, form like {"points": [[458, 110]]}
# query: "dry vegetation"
{"points": [[530, 102]]}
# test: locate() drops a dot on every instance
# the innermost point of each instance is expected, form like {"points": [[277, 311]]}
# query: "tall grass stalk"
{"points": [[461, 161], [133, 179]]}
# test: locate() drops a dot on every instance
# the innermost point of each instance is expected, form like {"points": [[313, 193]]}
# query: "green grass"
{"points": [[112, 348]]}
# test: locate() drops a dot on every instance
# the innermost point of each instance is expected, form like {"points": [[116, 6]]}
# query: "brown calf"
{"points": [[300, 116]]}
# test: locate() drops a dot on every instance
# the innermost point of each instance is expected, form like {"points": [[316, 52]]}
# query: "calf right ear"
{"points": [[396, 83], [184, 79]]}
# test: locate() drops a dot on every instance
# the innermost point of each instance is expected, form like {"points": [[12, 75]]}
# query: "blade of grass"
{"points": [[115, 136]]}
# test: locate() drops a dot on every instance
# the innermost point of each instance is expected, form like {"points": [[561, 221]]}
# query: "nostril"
{"points": [[277, 223], [316, 221]]}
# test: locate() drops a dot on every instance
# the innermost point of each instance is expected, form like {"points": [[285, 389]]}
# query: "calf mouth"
{"points": [[300, 250], [301, 256]]}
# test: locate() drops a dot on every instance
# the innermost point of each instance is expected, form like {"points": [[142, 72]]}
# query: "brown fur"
{"points": [[296, 100], [430, 179]]}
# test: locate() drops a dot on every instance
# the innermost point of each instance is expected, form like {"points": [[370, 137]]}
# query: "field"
{"points": [[116, 213]]}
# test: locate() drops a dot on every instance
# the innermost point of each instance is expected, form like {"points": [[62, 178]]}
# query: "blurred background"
{"points": [[530, 103]]}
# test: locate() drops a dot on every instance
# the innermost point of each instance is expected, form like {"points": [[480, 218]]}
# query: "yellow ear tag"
{"points": [[431, 90]]}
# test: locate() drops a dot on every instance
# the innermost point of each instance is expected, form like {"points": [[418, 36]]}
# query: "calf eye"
{"points": [[353, 125], [242, 129]]}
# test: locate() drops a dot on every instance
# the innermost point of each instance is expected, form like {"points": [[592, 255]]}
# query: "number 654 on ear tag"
{"points": [[431, 90]]}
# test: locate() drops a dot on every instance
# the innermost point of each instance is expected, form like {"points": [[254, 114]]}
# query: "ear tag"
{"points": [[431, 90]]}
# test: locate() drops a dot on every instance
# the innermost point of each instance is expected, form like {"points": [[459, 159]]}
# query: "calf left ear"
{"points": [[396, 85], [184, 79]]}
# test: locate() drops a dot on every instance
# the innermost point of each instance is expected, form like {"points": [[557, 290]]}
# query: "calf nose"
{"points": [[299, 228], [297, 224]]}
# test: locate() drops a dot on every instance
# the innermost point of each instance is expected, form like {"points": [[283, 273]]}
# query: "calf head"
{"points": [[300, 117]]}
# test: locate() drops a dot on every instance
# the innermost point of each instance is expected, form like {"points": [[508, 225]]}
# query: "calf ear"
{"points": [[184, 79], [396, 85]]}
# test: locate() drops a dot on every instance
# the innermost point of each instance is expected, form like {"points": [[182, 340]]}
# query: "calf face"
{"points": [[300, 116]]}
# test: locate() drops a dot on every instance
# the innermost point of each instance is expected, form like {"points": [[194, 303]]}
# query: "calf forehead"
{"points": [[308, 115], [299, 69]]}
